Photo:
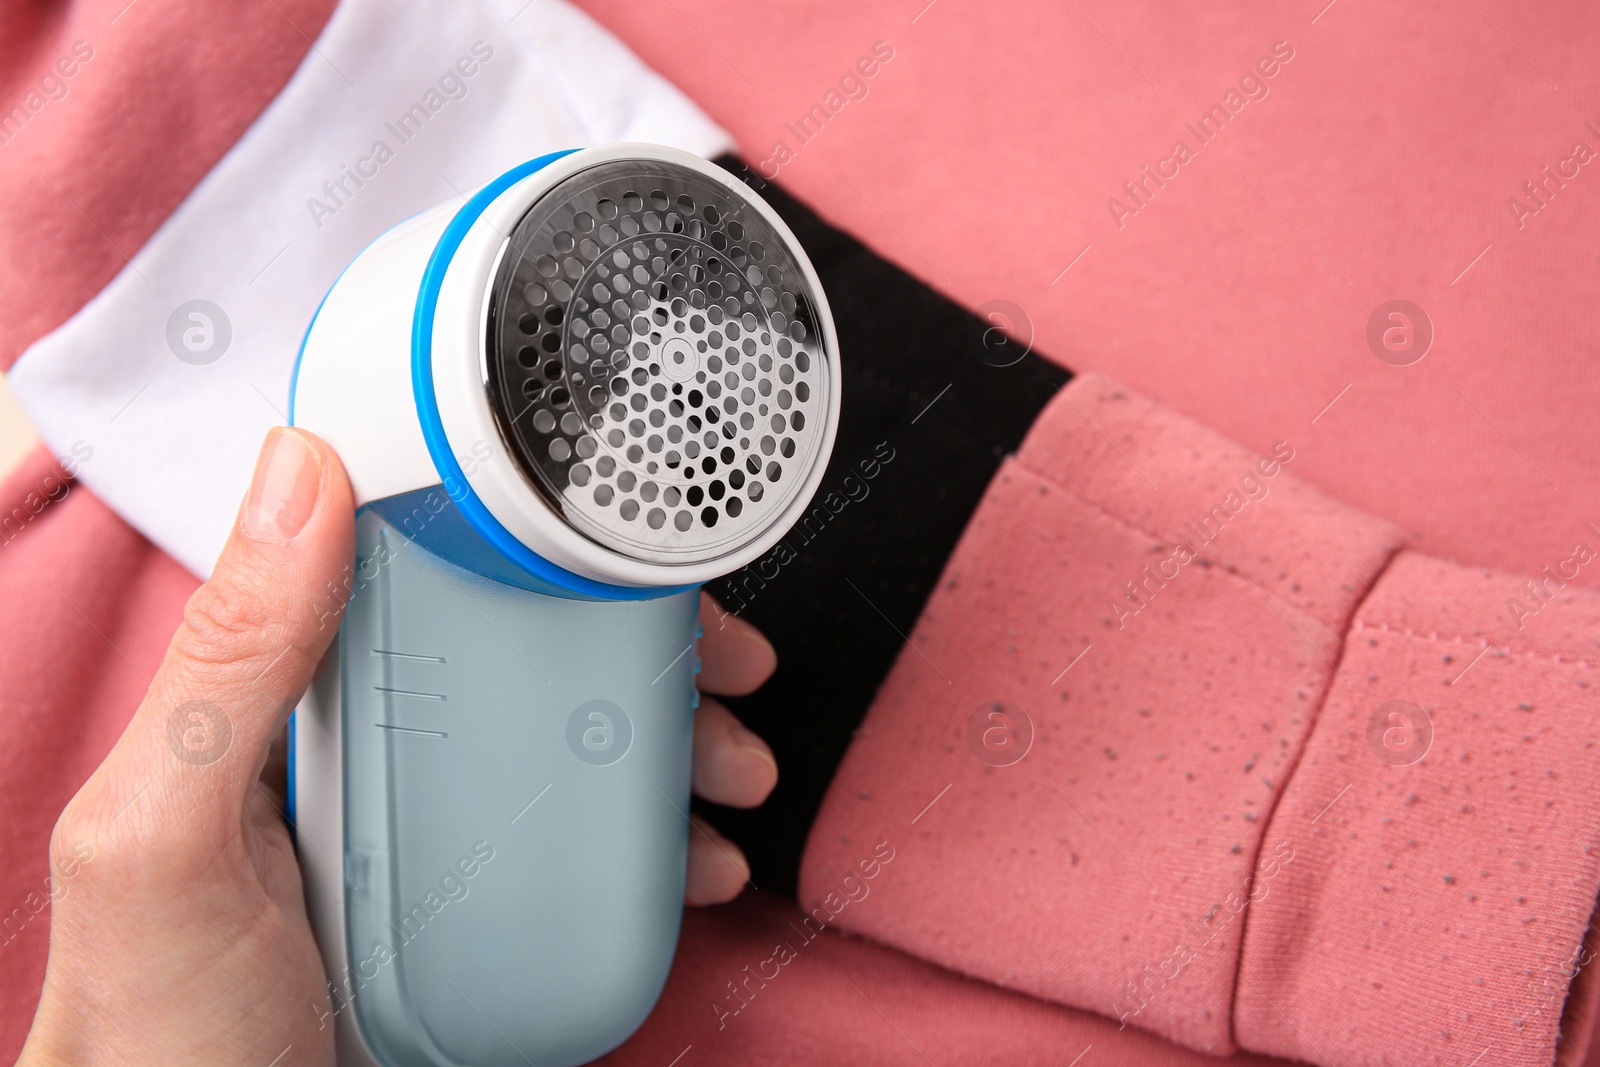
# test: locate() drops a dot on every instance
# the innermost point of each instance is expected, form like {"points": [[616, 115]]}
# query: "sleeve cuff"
{"points": [[1444, 822], [1125, 761]]}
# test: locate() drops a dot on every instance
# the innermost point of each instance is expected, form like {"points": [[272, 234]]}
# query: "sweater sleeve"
{"points": [[1181, 740], [1440, 900]]}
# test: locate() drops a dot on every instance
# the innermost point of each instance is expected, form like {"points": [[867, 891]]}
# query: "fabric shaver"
{"points": [[608, 378]]}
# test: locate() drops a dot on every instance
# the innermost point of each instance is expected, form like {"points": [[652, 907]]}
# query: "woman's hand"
{"points": [[178, 927]]}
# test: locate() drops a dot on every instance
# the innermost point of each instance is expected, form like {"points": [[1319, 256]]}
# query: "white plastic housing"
{"points": [[354, 386]]}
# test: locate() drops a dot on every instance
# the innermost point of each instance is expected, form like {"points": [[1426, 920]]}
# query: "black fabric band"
{"points": [[934, 398]]}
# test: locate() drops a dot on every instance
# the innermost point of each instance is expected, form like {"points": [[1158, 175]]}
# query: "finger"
{"points": [[731, 764], [736, 658], [717, 869], [252, 635]]}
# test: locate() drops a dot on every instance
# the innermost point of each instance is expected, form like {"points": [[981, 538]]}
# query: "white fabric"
{"points": [[174, 441]]}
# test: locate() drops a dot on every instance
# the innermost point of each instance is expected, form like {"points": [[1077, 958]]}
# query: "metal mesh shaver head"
{"points": [[656, 362]]}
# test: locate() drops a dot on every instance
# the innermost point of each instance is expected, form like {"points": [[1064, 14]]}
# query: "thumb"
{"points": [[250, 641]]}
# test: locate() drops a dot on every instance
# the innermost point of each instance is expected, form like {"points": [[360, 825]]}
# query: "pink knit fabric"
{"points": [[1186, 642], [754, 985], [1437, 910]]}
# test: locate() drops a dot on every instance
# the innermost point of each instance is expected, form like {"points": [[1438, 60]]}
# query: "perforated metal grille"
{"points": [[655, 361]]}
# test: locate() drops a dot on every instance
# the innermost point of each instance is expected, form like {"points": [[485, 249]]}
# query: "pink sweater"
{"points": [[1287, 784]]}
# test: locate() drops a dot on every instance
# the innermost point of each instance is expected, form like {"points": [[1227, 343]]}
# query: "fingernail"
{"points": [[284, 490], [751, 633], [750, 741]]}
